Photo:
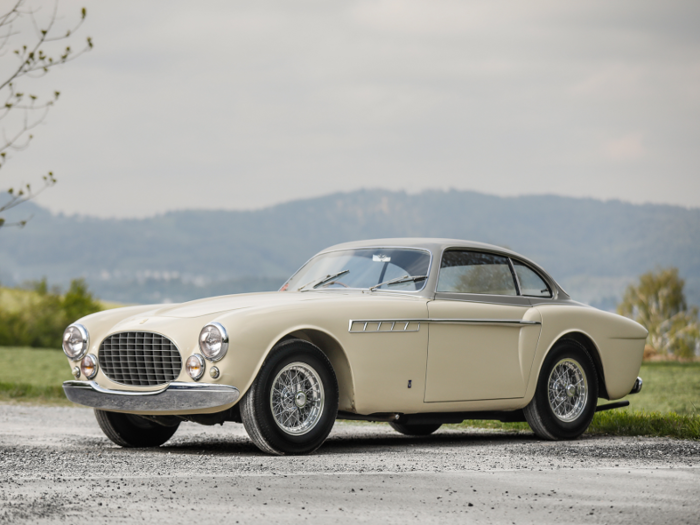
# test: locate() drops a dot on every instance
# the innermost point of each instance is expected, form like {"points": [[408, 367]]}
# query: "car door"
{"points": [[482, 332]]}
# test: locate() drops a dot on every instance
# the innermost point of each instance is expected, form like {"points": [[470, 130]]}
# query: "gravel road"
{"points": [[57, 467]]}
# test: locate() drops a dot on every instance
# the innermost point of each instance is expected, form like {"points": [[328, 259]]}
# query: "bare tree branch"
{"points": [[31, 42]]}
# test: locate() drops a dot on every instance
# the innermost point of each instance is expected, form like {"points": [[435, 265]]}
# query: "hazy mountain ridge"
{"points": [[592, 247]]}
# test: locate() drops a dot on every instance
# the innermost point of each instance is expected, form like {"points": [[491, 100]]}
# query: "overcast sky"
{"points": [[247, 104]]}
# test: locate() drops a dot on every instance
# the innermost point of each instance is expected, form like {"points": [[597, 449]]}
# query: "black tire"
{"points": [[264, 430], [415, 430], [573, 359], [129, 430]]}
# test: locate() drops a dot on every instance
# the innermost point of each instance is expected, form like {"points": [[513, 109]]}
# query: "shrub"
{"points": [[657, 302], [37, 317]]}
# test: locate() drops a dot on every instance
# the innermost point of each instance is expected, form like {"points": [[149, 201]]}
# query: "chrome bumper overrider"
{"points": [[174, 397], [637, 388]]}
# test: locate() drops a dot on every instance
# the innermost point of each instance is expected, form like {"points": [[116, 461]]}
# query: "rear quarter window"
{"points": [[531, 284]]}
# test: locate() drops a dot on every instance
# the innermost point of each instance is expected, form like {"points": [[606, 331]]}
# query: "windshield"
{"points": [[363, 268]]}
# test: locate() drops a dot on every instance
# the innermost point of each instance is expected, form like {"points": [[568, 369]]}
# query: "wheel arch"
{"points": [[592, 349], [336, 354]]}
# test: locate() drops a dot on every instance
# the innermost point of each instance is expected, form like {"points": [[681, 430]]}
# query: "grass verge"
{"points": [[619, 423], [654, 424], [668, 406], [41, 367], [33, 375], [26, 393]]}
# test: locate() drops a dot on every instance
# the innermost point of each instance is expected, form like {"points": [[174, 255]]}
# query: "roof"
{"points": [[436, 247], [432, 244]]}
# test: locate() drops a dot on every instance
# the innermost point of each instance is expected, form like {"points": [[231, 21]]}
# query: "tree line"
{"points": [[37, 315], [657, 302]]}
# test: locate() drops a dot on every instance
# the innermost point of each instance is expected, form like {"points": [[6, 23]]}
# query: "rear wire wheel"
{"points": [[292, 404], [566, 395]]}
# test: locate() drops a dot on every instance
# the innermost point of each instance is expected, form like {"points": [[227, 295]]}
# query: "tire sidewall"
{"points": [[567, 429], [287, 353], [129, 430]]}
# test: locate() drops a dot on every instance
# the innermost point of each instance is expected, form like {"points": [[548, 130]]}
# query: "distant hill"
{"points": [[593, 248]]}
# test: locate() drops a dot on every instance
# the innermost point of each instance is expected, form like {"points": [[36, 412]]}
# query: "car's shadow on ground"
{"points": [[365, 443]]}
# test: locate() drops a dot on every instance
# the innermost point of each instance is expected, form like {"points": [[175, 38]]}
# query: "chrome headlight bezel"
{"points": [[79, 331], [205, 342]]}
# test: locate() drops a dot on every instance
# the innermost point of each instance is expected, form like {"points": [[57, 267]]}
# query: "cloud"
{"points": [[243, 105], [627, 148]]}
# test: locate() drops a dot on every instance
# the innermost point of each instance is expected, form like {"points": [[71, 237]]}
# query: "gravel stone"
{"points": [[56, 466]]}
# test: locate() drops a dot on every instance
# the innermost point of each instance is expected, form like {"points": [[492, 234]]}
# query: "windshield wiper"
{"points": [[398, 280], [318, 282]]}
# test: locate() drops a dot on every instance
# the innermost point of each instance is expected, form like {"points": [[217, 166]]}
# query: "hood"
{"points": [[227, 303]]}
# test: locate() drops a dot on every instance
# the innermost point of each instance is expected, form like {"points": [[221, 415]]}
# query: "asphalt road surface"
{"points": [[57, 467]]}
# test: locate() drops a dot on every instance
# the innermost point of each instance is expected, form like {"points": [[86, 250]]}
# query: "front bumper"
{"points": [[175, 397]]}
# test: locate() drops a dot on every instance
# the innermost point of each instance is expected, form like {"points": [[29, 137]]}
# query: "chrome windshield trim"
{"points": [[177, 396], [406, 322], [377, 247]]}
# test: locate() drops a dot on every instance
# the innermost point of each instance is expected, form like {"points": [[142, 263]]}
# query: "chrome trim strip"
{"points": [[407, 322], [499, 300], [177, 396]]}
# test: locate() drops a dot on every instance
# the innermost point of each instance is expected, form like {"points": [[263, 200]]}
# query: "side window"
{"points": [[530, 283], [475, 272]]}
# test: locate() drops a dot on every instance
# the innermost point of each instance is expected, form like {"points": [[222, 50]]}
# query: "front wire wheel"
{"points": [[130, 430], [566, 395], [297, 399], [292, 404]]}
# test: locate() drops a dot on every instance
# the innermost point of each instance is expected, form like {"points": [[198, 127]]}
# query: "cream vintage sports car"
{"points": [[414, 332]]}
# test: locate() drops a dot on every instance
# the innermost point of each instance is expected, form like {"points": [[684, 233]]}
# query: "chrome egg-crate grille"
{"points": [[140, 359]]}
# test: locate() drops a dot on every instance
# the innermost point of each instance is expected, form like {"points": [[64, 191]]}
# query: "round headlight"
{"points": [[88, 366], [75, 341], [213, 341], [195, 366]]}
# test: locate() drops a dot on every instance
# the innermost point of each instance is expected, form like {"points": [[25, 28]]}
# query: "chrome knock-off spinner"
{"points": [[297, 399], [567, 390]]}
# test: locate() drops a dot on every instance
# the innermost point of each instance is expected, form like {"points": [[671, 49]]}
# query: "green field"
{"points": [[33, 366], [668, 405], [668, 387], [33, 375]]}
